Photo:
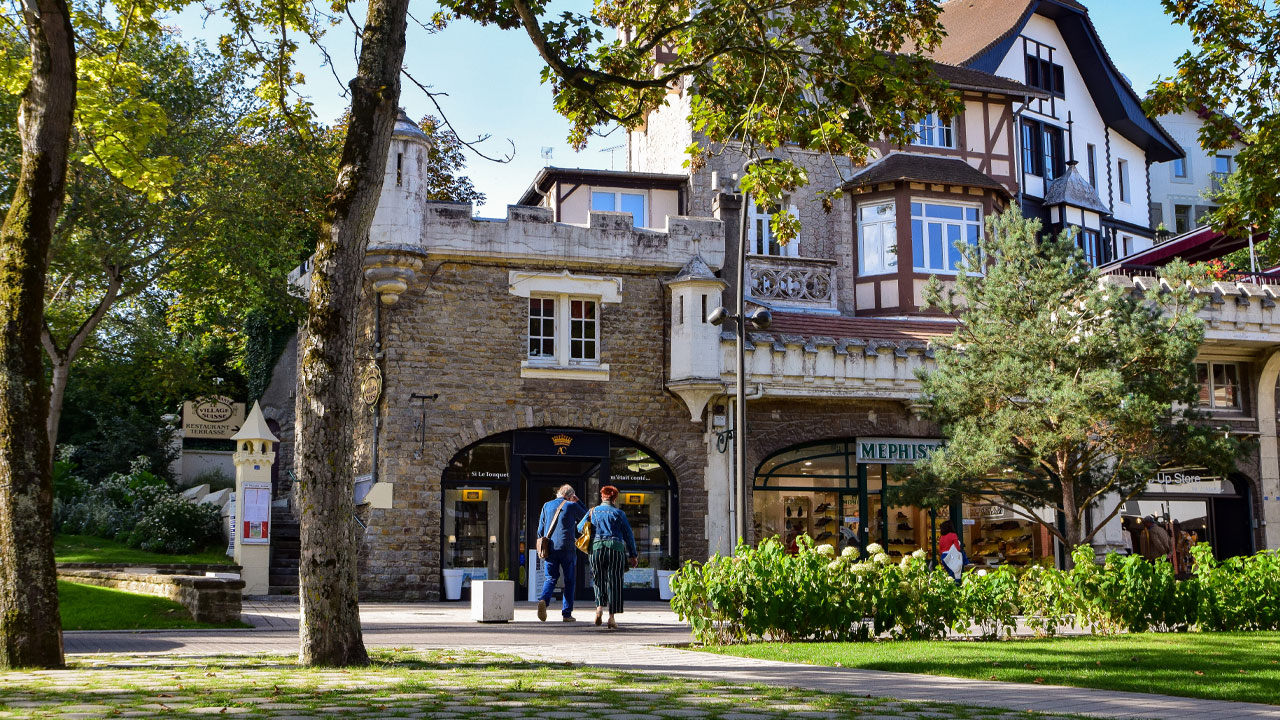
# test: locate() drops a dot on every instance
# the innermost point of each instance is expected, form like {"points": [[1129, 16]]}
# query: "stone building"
{"points": [[569, 341]]}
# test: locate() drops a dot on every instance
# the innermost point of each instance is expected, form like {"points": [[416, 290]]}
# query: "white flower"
{"points": [[919, 554], [826, 550], [982, 573], [861, 568], [874, 548], [880, 558], [904, 562], [834, 565], [849, 552]]}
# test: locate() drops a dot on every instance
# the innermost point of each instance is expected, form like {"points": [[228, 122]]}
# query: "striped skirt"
{"points": [[608, 563]]}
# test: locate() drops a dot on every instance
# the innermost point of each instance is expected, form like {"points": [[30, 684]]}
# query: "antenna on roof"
{"points": [[546, 155], [1071, 141], [611, 149]]}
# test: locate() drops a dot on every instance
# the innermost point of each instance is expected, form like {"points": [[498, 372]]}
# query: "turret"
{"points": [[253, 458]]}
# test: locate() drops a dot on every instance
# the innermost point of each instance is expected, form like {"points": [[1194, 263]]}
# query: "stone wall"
{"points": [[211, 600], [460, 332]]}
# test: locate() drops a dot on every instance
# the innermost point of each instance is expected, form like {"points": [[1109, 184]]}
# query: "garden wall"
{"points": [[209, 599]]}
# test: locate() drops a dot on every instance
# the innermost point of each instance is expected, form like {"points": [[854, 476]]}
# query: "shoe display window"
{"points": [[994, 535]]}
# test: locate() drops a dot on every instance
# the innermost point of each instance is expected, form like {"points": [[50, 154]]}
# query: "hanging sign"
{"points": [[211, 416], [895, 450]]}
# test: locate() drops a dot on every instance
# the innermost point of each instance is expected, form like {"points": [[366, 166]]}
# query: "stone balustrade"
{"points": [[801, 283], [1237, 313]]}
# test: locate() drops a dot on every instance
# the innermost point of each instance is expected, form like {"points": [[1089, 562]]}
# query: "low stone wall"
{"points": [[212, 600]]}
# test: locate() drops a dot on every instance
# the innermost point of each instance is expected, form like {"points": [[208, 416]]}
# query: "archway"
{"points": [[493, 490]]}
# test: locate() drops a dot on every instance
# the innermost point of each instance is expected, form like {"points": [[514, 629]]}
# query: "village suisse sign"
{"points": [[212, 416]]}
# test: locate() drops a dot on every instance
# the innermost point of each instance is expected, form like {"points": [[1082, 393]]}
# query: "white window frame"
{"points": [[760, 217], [936, 127], [917, 263], [642, 222], [888, 259], [1209, 366], [564, 288]]}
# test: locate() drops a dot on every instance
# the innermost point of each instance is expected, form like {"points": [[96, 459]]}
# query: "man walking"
{"points": [[558, 523]]}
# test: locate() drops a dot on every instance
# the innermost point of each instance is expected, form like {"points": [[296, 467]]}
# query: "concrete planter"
{"points": [[493, 600]]}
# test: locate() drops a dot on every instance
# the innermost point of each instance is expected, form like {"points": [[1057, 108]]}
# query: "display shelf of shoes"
{"points": [[824, 523], [798, 519]]}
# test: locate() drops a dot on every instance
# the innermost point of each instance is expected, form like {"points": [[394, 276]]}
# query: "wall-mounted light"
{"points": [[656, 542], [453, 539], [493, 539]]}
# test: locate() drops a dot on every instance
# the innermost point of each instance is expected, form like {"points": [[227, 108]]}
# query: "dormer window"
{"points": [[1045, 75], [629, 201], [935, 131]]}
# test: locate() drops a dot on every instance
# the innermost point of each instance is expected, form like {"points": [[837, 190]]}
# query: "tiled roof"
{"points": [[923, 168], [1072, 189], [962, 78], [836, 327], [973, 26]]}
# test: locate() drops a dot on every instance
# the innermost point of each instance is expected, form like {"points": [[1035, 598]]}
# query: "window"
{"points": [[1219, 385], [933, 131], [582, 333], [937, 229], [1042, 149], [1045, 75], [1181, 219], [1156, 210], [1222, 164], [1180, 168], [1092, 152], [760, 238], [621, 201], [1122, 167], [1097, 251], [877, 239]]}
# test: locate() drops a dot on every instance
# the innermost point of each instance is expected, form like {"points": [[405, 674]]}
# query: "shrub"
{"points": [[173, 525], [990, 600]]}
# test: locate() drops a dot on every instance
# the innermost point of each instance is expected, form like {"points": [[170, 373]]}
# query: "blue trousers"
{"points": [[556, 564]]}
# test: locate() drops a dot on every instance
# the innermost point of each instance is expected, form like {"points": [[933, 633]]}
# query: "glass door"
{"points": [[543, 477]]}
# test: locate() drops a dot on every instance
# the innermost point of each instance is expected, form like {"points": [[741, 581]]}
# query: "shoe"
{"points": [[542, 610], [613, 624], [904, 526], [788, 511], [823, 522], [822, 508], [598, 613], [902, 516], [568, 618], [799, 512], [823, 535]]}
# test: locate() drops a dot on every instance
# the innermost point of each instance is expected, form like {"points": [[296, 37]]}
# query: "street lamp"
{"points": [[760, 319]]}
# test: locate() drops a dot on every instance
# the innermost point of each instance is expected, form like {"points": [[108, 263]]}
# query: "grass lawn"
{"points": [[1219, 666], [402, 684], [86, 548], [88, 607]]}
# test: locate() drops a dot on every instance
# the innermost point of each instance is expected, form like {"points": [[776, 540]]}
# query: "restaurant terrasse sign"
{"points": [[896, 450], [212, 416]]}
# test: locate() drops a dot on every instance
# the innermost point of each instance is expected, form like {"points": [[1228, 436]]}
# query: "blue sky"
{"points": [[492, 80]]}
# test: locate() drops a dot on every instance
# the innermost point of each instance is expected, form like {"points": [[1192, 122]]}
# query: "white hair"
{"points": [[565, 491]]}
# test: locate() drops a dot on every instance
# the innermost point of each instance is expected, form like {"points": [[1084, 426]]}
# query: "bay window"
{"points": [[939, 230], [935, 131]]}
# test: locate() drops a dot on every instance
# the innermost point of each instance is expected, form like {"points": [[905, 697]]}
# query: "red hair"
{"points": [[608, 492]]}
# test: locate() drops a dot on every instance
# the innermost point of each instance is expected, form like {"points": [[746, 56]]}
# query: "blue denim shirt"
{"points": [[611, 524], [562, 535]]}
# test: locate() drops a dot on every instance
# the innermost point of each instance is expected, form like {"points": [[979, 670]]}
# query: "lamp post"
{"points": [[761, 319]]}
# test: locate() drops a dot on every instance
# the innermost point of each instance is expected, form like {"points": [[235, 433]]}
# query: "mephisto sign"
{"points": [[896, 450]]}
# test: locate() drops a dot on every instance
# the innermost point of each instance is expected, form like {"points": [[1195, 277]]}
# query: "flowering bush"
{"points": [[764, 593], [139, 509]]}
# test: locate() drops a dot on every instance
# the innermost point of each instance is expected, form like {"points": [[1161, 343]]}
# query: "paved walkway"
{"points": [[633, 648]]}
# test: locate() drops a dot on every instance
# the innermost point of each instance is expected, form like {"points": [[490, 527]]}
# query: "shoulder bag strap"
{"points": [[555, 518]]}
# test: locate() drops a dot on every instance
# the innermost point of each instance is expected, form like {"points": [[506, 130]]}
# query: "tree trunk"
{"points": [[329, 629], [30, 626], [57, 391], [1071, 512], [61, 360]]}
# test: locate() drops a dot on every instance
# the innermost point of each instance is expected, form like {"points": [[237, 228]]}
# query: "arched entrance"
{"points": [[493, 490]]}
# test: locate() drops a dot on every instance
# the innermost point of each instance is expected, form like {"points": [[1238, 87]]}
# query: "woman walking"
{"points": [[613, 549]]}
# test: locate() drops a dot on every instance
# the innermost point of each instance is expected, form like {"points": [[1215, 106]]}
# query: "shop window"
{"points": [[621, 201], [475, 527], [1219, 385], [938, 230], [935, 131], [760, 237], [877, 239], [996, 535]]}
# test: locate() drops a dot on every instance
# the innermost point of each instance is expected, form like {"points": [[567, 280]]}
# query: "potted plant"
{"points": [[667, 567]]}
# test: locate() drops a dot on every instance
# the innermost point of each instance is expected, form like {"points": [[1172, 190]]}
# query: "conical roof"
{"points": [[1072, 189], [407, 128], [255, 427]]}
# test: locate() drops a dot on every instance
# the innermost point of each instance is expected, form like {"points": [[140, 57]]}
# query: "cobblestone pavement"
{"points": [[633, 649]]}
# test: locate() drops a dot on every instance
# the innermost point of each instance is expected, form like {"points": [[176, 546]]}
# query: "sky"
{"points": [[491, 78]]}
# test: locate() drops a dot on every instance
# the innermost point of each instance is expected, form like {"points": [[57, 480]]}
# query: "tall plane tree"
{"points": [[30, 626]]}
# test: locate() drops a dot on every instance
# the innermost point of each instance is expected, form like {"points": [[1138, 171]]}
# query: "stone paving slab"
{"points": [[633, 648]]}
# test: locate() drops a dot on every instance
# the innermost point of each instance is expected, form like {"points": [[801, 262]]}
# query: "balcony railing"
{"points": [[799, 282], [1153, 271]]}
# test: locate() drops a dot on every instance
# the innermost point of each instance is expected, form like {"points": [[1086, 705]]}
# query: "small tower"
{"points": [[398, 218], [253, 459], [695, 342]]}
